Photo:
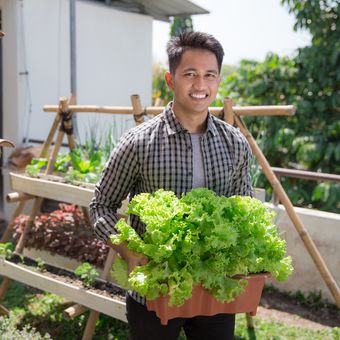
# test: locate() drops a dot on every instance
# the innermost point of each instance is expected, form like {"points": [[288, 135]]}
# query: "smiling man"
{"points": [[184, 147]]}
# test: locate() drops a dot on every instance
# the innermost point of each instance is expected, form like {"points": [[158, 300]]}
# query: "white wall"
{"points": [[114, 60], [324, 229], [12, 124], [114, 57]]}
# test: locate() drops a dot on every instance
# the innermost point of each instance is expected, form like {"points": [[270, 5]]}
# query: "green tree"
{"points": [[310, 80], [181, 24], [160, 89]]}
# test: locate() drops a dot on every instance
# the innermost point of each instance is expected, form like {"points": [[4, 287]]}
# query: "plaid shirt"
{"points": [[158, 154]]}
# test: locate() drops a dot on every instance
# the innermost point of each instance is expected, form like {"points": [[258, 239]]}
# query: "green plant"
{"points": [[6, 250], [9, 330], [87, 273], [201, 238], [40, 264], [44, 312]]}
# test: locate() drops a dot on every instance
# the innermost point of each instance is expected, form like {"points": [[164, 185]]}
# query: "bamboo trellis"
{"points": [[230, 113]]}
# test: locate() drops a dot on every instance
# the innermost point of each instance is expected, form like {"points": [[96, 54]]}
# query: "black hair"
{"points": [[187, 40]]}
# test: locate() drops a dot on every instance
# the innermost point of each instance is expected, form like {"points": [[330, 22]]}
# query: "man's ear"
{"points": [[169, 80]]}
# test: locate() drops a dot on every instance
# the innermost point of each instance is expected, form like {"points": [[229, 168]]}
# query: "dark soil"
{"points": [[99, 286], [299, 310]]}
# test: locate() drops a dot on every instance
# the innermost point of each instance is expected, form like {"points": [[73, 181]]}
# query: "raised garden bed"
{"points": [[52, 187], [64, 232], [103, 296]]}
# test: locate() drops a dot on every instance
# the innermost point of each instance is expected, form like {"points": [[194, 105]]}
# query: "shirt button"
{"points": [[189, 173]]}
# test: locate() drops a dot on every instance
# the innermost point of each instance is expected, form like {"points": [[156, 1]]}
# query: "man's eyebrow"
{"points": [[195, 70]]}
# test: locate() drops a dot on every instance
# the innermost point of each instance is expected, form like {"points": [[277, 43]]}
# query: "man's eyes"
{"points": [[211, 75], [193, 74]]}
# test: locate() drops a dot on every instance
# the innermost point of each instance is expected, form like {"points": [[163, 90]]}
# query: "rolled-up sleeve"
{"points": [[114, 186]]}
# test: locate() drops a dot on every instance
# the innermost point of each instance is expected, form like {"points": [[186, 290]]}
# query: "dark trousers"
{"points": [[145, 325]]}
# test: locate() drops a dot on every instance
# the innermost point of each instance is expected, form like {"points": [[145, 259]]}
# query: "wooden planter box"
{"points": [[54, 190], [202, 303], [49, 189], [103, 304]]}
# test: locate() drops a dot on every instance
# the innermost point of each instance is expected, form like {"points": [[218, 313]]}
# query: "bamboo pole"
{"points": [[4, 286], [267, 110], [249, 320], [138, 112], [14, 197], [50, 136], [62, 107], [3, 310], [303, 233], [22, 240], [91, 322], [74, 311], [228, 112], [8, 232]]}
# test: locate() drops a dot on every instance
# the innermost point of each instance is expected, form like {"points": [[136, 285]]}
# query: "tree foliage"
{"points": [[311, 81], [160, 89], [181, 24]]}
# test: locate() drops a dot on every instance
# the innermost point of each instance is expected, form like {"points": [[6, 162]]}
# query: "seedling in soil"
{"points": [[40, 264], [87, 273], [6, 250]]}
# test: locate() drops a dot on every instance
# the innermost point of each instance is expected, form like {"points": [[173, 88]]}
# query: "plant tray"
{"points": [[51, 189], [111, 306], [202, 303]]}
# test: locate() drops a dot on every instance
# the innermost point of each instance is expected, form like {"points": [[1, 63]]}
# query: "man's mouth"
{"points": [[198, 95]]}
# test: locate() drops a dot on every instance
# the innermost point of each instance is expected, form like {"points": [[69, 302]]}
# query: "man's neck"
{"points": [[194, 123]]}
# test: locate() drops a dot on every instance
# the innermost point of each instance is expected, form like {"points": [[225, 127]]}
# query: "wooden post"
{"points": [[50, 136], [228, 113], [22, 240], [14, 197], [74, 311], [63, 108], [277, 187], [250, 320], [8, 232], [138, 112], [91, 322]]}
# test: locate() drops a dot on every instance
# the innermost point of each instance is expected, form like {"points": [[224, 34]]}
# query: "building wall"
{"points": [[12, 125], [324, 229], [114, 60]]}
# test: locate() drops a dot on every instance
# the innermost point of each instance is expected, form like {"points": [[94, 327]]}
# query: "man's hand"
{"points": [[132, 258]]}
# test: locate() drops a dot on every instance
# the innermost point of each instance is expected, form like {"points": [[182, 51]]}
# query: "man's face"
{"points": [[195, 82]]}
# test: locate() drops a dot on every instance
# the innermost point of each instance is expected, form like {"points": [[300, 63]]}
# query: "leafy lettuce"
{"points": [[202, 239]]}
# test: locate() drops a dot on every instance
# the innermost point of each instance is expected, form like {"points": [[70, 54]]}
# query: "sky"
{"points": [[247, 29]]}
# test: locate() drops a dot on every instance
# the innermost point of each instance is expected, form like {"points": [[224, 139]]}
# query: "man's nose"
{"points": [[199, 82]]}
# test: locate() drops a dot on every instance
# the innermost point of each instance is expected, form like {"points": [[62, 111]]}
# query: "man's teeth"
{"points": [[198, 96]]}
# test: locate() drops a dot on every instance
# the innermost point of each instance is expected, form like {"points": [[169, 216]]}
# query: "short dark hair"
{"points": [[187, 40]]}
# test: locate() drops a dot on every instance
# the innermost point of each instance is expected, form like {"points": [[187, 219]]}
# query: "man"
{"points": [[183, 148]]}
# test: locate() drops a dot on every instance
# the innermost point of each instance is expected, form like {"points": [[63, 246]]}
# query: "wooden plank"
{"points": [[53, 190], [103, 304], [56, 191]]}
